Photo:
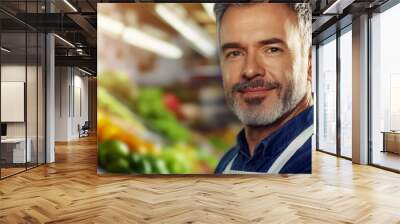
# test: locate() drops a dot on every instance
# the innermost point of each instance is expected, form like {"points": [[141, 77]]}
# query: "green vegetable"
{"points": [[135, 162], [121, 165], [111, 104], [176, 161], [113, 156], [150, 106], [145, 166], [208, 159], [102, 155], [119, 84], [115, 149], [159, 166]]}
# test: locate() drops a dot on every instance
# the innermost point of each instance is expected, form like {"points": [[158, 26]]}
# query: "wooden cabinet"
{"points": [[391, 142]]}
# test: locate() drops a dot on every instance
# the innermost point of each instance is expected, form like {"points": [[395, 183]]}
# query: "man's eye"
{"points": [[273, 50], [232, 54]]}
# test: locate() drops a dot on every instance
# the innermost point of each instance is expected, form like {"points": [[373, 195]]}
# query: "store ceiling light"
{"points": [[209, 8], [139, 38], [111, 25], [176, 16], [143, 40], [65, 41], [5, 50], [70, 5], [84, 71], [338, 6], [79, 51]]}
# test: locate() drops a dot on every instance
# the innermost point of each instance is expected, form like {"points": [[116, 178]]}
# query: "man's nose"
{"points": [[252, 67]]}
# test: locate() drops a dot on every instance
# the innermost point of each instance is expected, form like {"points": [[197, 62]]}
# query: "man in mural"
{"points": [[265, 57]]}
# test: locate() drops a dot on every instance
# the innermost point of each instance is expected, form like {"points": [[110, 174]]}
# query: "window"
{"points": [[385, 89], [314, 90], [346, 93], [327, 96], [22, 77]]}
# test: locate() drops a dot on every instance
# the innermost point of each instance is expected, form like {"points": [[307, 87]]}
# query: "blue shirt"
{"points": [[271, 147]]}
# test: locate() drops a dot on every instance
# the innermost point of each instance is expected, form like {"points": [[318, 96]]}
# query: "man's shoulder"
{"points": [[225, 159]]}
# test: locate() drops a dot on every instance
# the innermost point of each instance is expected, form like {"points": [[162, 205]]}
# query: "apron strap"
{"points": [[283, 158], [228, 167], [292, 148]]}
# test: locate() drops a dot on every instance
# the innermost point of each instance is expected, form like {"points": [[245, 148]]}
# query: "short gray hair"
{"points": [[303, 11]]}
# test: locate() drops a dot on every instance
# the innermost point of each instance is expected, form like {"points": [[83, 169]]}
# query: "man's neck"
{"points": [[255, 134]]}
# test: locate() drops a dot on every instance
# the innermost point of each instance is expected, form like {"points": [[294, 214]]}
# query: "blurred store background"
{"points": [[51, 45], [160, 94]]}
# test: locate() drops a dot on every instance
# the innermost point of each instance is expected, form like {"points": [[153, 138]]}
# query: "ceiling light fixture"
{"points": [[70, 5], [84, 71], [143, 40], [209, 8], [5, 50], [176, 16], [111, 25], [65, 41], [337, 7], [79, 51], [138, 38]]}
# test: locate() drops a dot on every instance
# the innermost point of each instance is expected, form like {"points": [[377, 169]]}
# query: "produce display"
{"points": [[140, 132], [152, 109]]}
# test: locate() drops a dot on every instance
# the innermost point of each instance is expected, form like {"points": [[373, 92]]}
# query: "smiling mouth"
{"points": [[257, 89]]}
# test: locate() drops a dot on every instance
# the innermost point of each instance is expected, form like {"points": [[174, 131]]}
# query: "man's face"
{"points": [[264, 68]]}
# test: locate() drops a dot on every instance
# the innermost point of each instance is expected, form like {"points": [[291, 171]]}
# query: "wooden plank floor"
{"points": [[10, 171], [70, 191]]}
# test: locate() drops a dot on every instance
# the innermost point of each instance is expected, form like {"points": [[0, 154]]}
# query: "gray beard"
{"points": [[256, 115]]}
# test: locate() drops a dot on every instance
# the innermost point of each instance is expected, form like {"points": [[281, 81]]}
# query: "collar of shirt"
{"points": [[278, 140]]}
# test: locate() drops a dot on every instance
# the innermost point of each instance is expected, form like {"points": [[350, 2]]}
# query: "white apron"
{"points": [[283, 158]]}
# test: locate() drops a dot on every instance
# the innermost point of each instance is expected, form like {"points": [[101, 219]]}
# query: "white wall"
{"points": [[15, 73], [79, 117], [70, 83], [61, 103], [33, 126]]}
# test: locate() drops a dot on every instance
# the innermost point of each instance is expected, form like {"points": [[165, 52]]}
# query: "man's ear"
{"points": [[309, 66]]}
